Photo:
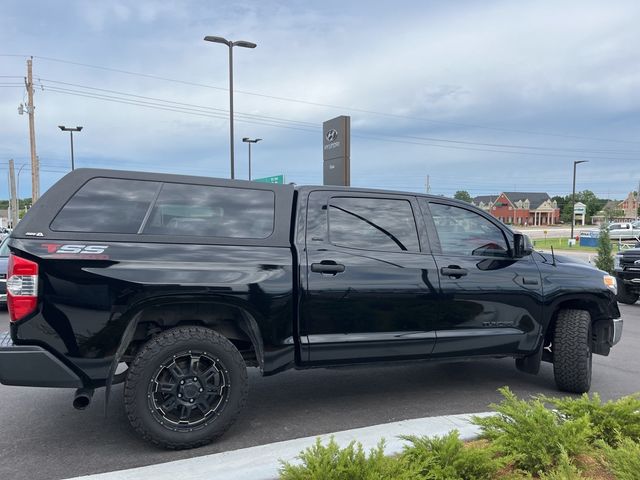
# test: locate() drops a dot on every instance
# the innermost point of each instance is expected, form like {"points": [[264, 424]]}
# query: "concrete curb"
{"points": [[262, 462]]}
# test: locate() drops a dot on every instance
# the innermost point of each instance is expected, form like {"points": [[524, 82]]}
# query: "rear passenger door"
{"points": [[371, 287], [491, 302]]}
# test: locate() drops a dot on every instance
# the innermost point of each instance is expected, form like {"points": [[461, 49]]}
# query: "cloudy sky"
{"points": [[481, 96]]}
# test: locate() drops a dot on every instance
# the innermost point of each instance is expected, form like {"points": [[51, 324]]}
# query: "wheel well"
{"points": [[228, 321], [587, 305]]}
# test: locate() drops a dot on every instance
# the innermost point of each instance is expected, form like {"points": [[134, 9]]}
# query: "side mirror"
{"points": [[521, 245]]}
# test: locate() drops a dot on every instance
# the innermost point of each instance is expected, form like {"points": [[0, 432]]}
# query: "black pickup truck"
{"points": [[187, 281], [627, 272]]}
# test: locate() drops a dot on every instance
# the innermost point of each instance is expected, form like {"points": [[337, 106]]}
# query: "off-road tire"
{"points": [[161, 349], [624, 296], [572, 356]]}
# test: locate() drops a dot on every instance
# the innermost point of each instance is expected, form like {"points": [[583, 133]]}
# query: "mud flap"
{"points": [[127, 336], [531, 363]]}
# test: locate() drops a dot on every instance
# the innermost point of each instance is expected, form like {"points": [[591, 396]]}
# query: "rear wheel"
{"points": [[185, 387], [572, 357]]}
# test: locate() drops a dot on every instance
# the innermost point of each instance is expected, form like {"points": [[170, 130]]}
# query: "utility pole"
{"points": [[13, 202], [428, 185], [35, 168]]}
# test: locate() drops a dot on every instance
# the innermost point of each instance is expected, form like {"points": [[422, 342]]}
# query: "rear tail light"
{"points": [[22, 287]]}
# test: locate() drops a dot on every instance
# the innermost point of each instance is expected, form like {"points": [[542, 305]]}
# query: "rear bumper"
{"points": [[33, 366]]}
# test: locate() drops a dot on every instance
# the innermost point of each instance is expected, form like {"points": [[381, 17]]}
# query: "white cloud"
{"points": [[567, 68]]}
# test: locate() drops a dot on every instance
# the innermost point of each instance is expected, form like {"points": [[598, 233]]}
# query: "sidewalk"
{"points": [[262, 462]]}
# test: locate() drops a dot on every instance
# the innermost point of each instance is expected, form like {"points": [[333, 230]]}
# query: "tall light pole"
{"points": [[230, 44], [250, 141], [573, 195], [71, 130]]}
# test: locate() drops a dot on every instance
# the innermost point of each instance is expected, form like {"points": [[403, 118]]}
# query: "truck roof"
{"points": [[38, 220]]}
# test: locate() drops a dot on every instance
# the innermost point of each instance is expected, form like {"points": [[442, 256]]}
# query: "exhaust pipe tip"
{"points": [[82, 398]]}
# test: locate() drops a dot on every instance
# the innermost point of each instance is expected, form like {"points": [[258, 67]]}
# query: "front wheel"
{"points": [[572, 355], [185, 387]]}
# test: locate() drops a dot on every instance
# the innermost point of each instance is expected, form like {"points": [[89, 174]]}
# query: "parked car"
{"points": [[191, 280], [623, 231]]}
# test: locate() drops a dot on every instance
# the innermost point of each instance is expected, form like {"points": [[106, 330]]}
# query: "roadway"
{"points": [[43, 437]]}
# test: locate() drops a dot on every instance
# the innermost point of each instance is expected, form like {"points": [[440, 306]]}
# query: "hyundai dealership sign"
{"points": [[336, 150]]}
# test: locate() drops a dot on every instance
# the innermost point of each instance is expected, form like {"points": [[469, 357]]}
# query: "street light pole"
{"points": [[230, 44], [573, 195], [71, 130], [250, 141]]}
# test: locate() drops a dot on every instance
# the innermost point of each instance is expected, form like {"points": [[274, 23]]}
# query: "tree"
{"points": [[593, 203], [463, 195], [605, 251]]}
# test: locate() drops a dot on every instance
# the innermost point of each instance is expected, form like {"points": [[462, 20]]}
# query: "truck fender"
{"points": [[247, 324]]}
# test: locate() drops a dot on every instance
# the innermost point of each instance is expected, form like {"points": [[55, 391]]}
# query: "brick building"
{"points": [[630, 206], [521, 208]]}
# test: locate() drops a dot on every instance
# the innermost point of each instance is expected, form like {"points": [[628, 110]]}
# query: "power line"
{"points": [[314, 125], [338, 107], [172, 109], [226, 112], [248, 118]]}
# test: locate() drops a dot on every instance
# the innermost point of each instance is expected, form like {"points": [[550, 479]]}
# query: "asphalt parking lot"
{"points": [[43, 437]]}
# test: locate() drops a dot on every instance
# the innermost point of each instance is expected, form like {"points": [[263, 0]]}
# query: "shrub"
{"points": [[447, 458], [623, 460], [330, 462], [604, 261], [564, 470], [610, 421], [531, 435]]}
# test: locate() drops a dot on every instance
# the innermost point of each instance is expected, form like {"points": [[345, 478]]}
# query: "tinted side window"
{"points": [[463, 232], [202, 210], [372, 224], [106, 205]]}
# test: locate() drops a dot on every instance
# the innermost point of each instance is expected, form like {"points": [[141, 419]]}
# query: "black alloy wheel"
{"points": [[188, 391]]}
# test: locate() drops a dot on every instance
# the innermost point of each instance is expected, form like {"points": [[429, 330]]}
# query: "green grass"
{"points": [[560, 244]]}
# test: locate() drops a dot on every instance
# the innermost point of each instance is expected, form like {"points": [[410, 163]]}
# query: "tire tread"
{"points": [[571, 367]]}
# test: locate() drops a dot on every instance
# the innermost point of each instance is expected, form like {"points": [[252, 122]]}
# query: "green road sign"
{"points": [[274, 179]]}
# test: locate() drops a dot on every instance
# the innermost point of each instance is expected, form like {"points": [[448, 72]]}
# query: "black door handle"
{"points": [[327, 266], [530, 281], [454, 271]]}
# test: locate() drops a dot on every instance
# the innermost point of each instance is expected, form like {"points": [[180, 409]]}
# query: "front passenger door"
{"points": [[491, 302]]}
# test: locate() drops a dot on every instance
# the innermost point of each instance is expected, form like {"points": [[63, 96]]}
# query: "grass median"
{"points": [[560, 244], [541, 438]]}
